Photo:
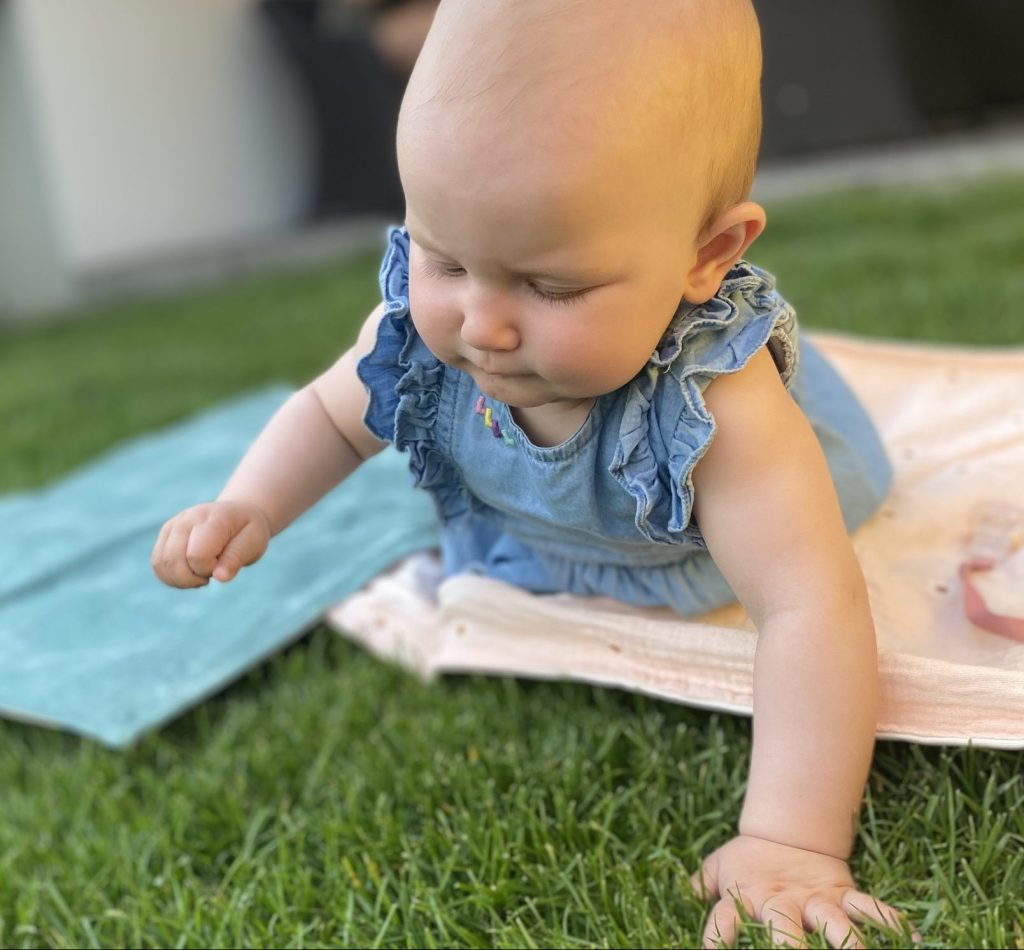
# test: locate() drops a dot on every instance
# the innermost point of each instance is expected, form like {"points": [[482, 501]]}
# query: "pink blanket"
{"points": [[952, 418]]}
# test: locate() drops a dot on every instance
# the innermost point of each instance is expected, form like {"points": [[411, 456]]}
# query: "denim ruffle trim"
{"points": [[666, 427], [403, 380]]}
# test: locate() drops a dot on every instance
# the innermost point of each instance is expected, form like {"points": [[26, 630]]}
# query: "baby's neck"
{"points": [[553, 423]]}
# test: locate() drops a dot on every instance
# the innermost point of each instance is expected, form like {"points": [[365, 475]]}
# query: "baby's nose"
{"points": [[488, 328]]}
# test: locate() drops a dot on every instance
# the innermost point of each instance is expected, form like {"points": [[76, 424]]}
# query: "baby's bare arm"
{"points": [[314, 441], [767, 508]]}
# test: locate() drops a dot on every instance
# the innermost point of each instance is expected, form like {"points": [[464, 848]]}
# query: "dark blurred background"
{"points": [[846, 73], [145, 146], [836, 75]]}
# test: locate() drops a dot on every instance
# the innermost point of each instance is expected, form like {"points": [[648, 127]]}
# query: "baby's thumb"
{"points": [[704, 881], [243, 549]]}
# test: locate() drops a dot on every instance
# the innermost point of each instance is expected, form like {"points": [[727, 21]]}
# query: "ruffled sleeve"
{"points": [[666, 427], [404, 381]]}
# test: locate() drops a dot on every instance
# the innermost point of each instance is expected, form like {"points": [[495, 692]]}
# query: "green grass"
{"points": [[331, 800]]}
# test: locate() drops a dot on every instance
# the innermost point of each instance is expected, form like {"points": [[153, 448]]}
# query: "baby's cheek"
{"points": [[589, 366], [434, 322]]}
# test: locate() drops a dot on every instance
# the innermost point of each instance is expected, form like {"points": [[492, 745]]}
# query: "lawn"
{"points": [[329, 799]]}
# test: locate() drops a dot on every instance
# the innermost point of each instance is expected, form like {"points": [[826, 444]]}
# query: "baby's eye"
{"points": [[568, 297], [434, 269], [437, 269]]}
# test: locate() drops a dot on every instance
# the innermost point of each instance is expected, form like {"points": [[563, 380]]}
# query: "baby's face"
{"points": [[545, 280], [555, 160]]}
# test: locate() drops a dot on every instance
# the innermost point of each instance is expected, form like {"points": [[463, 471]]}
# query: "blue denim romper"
{"points": [[608, 511]]}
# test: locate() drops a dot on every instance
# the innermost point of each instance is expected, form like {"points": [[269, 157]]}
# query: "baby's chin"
{"points": [[521, 392]]}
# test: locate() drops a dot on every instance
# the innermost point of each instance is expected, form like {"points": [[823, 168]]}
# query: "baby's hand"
{"points": [[215, 539], [789, 888]]}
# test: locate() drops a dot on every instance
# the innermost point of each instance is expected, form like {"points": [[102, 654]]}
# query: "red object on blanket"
{"points": [[997, 534], [977, 610]]}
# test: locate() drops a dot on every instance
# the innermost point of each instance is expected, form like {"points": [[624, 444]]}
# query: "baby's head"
{"points": [[572, 170]]}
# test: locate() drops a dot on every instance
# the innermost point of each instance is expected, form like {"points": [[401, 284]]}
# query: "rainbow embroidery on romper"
{"points": [[482, 409]]}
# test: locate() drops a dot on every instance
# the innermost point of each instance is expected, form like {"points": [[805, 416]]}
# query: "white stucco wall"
{"points": [[159, 126], [33, 273]]}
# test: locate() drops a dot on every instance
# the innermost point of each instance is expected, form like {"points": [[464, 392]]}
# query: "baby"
{"points": [[604, 398]]}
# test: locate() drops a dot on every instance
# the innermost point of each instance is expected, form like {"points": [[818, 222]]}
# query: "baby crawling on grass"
{"points": [[603, 397]]}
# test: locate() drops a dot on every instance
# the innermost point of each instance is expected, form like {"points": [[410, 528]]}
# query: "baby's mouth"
{"points": [[497, 374]]}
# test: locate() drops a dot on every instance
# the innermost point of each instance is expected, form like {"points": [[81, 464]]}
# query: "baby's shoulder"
{"points": [[757, 428], [748, 397]]}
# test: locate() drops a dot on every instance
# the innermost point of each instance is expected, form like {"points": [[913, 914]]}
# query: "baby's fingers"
{"points": [[156, 558], [863, 907], [704, 881], [244, 548], [206, 542], [786, 922], [834, 924], [724, 921], [170, 562]]}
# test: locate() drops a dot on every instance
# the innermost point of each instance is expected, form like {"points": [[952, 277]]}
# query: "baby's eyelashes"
{"points": [[437, 270]]}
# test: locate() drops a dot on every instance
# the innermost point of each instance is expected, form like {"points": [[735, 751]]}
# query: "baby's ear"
{"points": [[720, 245]]}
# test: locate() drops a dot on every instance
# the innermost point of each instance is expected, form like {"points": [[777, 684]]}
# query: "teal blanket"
{"points": [[91, 641]]}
